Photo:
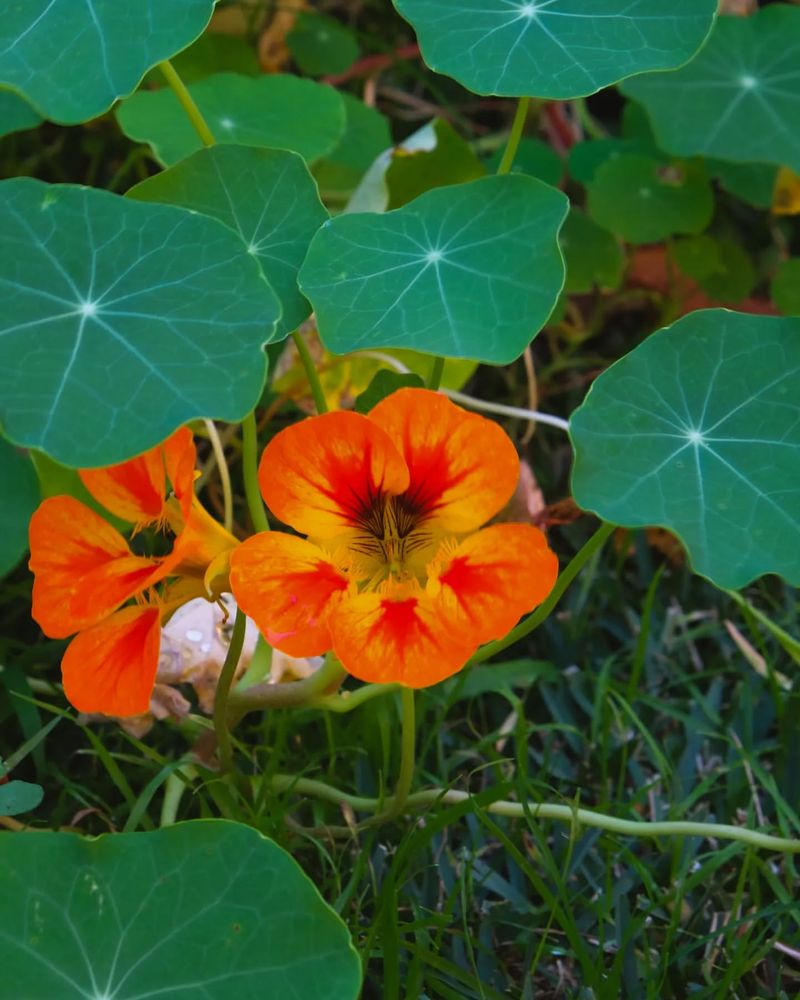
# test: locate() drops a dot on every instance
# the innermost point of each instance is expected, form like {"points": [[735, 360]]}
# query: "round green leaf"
{"points": [[122, 320], [555, 48], [533, 157], [752, 182], [698, 430], [469, 271], [739, 98], [73, 60], [16, 114], [643, 201], [586, 158], [266, 195], [592, 254], [205, 909], [786, 287], [413, 172], [320, 44], [19, 797], [276, 111], [366, 135], [19, 497]]}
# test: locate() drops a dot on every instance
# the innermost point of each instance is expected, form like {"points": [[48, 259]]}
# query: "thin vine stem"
{"points": [[224, 745], [224, 474], [186, 100], [408, 742], [576, 817], [435, 378], [535, 416], [311, 372], [295, 694], [565, 578], [250, 473], [346, 701], [514, 136]]}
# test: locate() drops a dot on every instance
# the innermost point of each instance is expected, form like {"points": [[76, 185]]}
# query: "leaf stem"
{"points": [[435, 377], [250, 473], [311, 372], [579, 560], [186, 100], [542, 810], [295, 694], [514, 136], [346, 701], [224, 474], [407, 751], [224, 746]]}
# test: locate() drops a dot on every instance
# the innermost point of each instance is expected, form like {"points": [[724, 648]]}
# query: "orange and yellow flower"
{"points": [[85, 573], [394, 575]]}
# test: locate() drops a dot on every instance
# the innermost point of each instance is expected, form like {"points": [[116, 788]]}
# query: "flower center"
{"points": [[394, 539]]}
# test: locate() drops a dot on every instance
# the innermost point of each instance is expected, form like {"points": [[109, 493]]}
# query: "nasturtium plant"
{"points": [[366, 135], [739, 98], [72, 62], [19, 496], [16, 114], [152, 316], [209, 908], [533, 157], [555, 48], [279, 111], [420, 277], [592, 255], [786, 287], [267, 196], [696, 430]]}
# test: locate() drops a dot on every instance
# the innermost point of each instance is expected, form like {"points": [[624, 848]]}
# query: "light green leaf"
{"points": [[383, 384], [721, 267], [592, 254], [205, 909], [413, 172], [643, 201], [266, 195], [698, 430], [276, 111], [471, 271], [533, 157], [555, 48], [739, 98], [366, 135], [19, 797], [19, 497], [321, 44], [122, 320], [16, 114], [785, 287], [73, 60]]}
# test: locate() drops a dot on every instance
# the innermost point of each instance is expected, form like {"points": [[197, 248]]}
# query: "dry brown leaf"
{"points": [[273, 53]]}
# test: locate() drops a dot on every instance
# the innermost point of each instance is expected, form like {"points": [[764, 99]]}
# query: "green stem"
{"points": [[565, 578], [514, 136], [295, 694], [435, 378], [250, 473], [590, 125], [224, 746], [174, 787], [187, 103], [542, 810], [224, 474], [311, 372], [408, 740], [346, 701]]}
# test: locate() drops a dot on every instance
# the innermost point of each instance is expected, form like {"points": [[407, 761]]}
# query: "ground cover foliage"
{"points": [[440, 183]]}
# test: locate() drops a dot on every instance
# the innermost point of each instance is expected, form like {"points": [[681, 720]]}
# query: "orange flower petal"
{"points": [[77, 556], [463, 467], [136, 490], [111, 667], [288, 587], [406, 638], [200, 542], [494, 577], [322, 475]]}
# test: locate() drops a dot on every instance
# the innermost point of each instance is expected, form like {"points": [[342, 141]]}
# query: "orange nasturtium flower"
{"points": [[394, 575], [86, 573]]}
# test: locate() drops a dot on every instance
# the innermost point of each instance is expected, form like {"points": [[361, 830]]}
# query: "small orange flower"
{"points": [[84, 572], [394, 575]]}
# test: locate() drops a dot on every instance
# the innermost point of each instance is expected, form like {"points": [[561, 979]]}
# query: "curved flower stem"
{"points": [[540, 810], [408, 739], [514, 136], [311, 372], [224, 747], [186, 100], [295, 694], [224, 474], [565, 578], [346, 701], [435, 378], [507, 411], [250, 473]]}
